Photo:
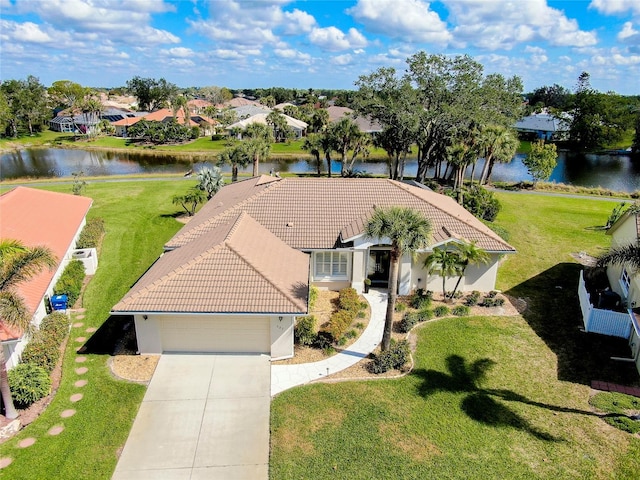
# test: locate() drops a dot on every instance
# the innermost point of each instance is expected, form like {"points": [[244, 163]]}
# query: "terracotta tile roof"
{"points": [[322, 213], [165, 113], [128, 121], [38, 217], [239, 267]]}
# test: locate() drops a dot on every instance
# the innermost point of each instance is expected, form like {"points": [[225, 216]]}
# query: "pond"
{"points": [[614, 172]]}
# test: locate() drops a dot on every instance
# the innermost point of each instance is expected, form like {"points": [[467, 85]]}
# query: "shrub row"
{"points": [[91, 233], [43, 349], [350, 307], [348, 300], [393, 359], [411, 319], [313, 296], [70, 282]]}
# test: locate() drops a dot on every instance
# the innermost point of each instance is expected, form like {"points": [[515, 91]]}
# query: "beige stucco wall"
{"points": [[625, 233], [282, 337]]}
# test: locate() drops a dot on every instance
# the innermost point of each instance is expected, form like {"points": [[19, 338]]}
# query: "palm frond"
{"points": [[624, 255]]}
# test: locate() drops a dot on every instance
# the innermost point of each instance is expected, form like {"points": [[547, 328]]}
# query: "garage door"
{"points": [[232, 334]]}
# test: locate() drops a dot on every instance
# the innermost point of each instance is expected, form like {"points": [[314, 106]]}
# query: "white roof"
{"points": [[262, 118]]}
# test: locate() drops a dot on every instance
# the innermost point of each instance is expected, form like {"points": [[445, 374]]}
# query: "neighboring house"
{"points": [[237, 102], [236, 276], [366, 125], [207, 125], [198, 105], [543, 126], [247, 111], [603, 315], [38, 217], [298, 126], [82, 123]]}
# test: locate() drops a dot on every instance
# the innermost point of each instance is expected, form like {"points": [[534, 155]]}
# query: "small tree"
{"points": [[541, 161], [210, 181], [190, 200], [447, 263], [79, 184]]}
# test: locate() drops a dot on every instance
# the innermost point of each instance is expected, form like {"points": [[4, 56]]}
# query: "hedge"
{"points": [[43, 349], [28, 383], [70, 282], [91, 233]]}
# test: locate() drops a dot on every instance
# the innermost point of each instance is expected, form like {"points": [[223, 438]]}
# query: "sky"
{"points": [[316, 44]]}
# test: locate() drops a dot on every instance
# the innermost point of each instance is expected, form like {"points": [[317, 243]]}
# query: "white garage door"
{"points": [[232, 334]]}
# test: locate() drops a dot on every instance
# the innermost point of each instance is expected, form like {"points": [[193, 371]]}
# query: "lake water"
{"points": [[614, 172]]}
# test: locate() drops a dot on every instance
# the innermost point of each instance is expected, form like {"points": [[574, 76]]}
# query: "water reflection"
{"points": [[615, 172]]}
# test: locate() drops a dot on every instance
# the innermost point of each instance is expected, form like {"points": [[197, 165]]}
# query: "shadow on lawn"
{"points": [[554, 314], [116, 336], [482, 404]]}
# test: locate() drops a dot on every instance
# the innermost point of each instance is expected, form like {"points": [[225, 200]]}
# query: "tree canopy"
{"points": [[152, 94]]}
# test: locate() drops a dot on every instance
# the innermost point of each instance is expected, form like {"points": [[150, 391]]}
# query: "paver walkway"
{"points": [[614, 387], [284, 377]]}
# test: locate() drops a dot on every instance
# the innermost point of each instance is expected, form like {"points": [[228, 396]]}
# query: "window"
{"points": [[625, 282], [331, 264]]}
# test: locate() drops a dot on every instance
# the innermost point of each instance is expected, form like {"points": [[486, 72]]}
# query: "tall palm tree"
{"points": [[236, 156], [446, 263], [258, 144], [497, 144], [17, 264], [469, 254], [621, 255], [408, 231], [344, 134], [313, 144]]}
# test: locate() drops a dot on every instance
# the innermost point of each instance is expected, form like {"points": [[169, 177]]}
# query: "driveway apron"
{"points": [[203, 416]]}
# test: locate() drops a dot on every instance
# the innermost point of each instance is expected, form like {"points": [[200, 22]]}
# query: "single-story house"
{"points": [[207, 125], [247, 111], [198, 105], [82, 123], [38, 217], [236, 276], [365, 124], [543, 126], [298, 126]]}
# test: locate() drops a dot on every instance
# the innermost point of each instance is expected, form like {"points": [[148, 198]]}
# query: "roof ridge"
{"points": [[410, 191], [289, 297]]}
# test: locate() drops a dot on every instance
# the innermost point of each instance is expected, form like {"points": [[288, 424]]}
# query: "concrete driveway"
{"points": [[203, 416]]}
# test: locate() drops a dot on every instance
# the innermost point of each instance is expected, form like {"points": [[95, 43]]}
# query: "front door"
{"points": [[378, 268]]}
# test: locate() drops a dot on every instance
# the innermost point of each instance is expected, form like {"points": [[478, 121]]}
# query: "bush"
{"points": [[313, 296], [481, 202], [425, 314], [323, 341], [409, 320], [492, 302], [70, 282], [55, 326], [304, 332], [472, 299], [393, 359], [461, 311], [28, 383], [339, 323], [400, 307], [441, 311], [91, 233], [348, 300], [421, 299], [42, 352]]}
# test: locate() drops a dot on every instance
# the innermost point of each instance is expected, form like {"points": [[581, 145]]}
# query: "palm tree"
{"points": [[313, 144], [235, 156], [210, 181], [344, 134], [469, 254], [259, 143], [447, 263], [496, 144], [621, 255], [408, 231], [18, 263]]}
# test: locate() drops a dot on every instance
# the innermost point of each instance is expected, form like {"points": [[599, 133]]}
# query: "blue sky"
{"points": [[316, 44]]}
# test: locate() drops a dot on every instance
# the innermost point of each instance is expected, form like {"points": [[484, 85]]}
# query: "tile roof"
{"points": [[239, 267], [321, 213], [262, 118], [38, 217]]}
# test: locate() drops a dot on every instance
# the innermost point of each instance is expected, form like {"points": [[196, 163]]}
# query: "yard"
{"points": [[490, 397], [529, 416]]}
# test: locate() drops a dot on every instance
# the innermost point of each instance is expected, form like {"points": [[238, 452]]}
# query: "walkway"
{"points": [[203, 416], [614, 387], [284, 377]]}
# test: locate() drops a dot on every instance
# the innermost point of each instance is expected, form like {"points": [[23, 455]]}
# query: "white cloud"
{"points": [[410, 20], [298, 22], [502, 24], [292, 54], [345, 59], [619, 59], [615, 6], [178, 52], [627, 31], [334, 39]]}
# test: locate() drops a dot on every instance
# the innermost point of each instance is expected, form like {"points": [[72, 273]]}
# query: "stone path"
{"points": [[614, 387], [76, 397]]}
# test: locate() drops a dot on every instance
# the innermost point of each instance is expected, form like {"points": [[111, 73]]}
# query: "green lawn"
{"points": [[529, 417], [138, 218]]}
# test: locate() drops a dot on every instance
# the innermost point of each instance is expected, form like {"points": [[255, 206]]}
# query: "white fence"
{"points": [[596, 320]]}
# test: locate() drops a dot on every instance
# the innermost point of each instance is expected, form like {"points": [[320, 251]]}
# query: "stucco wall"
{"points": [[624, 234]]}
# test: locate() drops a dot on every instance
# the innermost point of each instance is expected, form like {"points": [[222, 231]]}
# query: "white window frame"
{"points": [[331, 265], [625, 281]]}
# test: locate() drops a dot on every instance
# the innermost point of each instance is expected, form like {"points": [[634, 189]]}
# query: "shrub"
{"points": [[351, 334], [456, 295], [472, 298], [409, 320], [42, 352], [425, 314], [360, 326], [400, 307], [323, 341], [304, 332], [28, 383], [394, 358], [348, 300], [70, 282], [91, 233], [481, 202], [55, 326], [461, 310], [339, 323], [492, 302], [441, 311], [313, 296]]}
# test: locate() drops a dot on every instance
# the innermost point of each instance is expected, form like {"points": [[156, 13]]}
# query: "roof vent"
{"points": [[289, 224]]}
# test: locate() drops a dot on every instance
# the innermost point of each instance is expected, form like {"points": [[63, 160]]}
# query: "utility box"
{"points": [[59, 302]]}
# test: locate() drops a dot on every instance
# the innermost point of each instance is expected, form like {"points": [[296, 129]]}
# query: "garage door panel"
{"points": [[232, 334]]}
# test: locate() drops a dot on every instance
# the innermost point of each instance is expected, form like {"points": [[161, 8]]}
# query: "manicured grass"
{"points": [[528, 418], [138, 220]]}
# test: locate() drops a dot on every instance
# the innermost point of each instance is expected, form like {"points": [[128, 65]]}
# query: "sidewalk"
{"points": [[284, 377]]}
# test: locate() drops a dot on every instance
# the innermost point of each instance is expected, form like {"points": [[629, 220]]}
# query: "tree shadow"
{"points": [[553, 312], [116, 336], [484, 405]]}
